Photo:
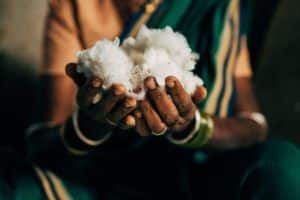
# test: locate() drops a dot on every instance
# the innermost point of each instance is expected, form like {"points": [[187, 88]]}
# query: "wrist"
{"points": [[82, 135], [200, 134], [186, 132], [89, 131], [91, 128]]}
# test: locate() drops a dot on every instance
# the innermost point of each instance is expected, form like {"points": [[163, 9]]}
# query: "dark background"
{"points": [[275, 49], [274, 43]]}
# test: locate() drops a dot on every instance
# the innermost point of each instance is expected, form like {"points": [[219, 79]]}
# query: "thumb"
{"points": [[78, 78]]}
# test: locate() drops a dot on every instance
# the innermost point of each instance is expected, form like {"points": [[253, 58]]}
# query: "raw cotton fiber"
{"points": [[153, 52]]}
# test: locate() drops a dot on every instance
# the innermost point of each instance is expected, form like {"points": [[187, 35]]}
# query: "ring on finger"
{"points": [[160, 133]]}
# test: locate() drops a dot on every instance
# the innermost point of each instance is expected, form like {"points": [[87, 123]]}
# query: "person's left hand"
{"points": [[171, 110]]}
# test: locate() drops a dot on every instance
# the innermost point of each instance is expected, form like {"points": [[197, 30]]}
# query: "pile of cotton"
{"points": [[153, 52]]}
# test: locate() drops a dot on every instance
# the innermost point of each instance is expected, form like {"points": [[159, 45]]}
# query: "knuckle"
{"points": [[138, 114], [129, 102], [185, 103], [171, 118], [178, 126], [184, 108], [190, 115], [118, 89], [156, 94], [145, 106]]}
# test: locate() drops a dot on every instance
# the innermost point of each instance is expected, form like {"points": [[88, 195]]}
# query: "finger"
{"points": [[181, 98], [122, 109], [141, 126], [151, 116], [88, 92], [78, 78], [199, 94], [128, 122], [163, 103], [108, 102], [180, 126]]}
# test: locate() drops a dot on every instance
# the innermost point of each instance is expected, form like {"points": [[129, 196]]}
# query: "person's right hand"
{"points": [[109, 107]]}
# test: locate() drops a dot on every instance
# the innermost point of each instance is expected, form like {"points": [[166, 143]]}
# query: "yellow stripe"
{"points": [[60, 189], [232, 61], [212, 101], [149, 9], [45, 183]]}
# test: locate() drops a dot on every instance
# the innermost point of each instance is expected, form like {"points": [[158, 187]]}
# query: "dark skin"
{"points": [[235, 132], [172, 108]]}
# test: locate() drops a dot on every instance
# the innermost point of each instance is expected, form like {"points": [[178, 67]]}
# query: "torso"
{"points": [[103, 18]]}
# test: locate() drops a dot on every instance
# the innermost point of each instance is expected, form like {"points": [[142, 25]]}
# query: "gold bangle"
{"points": [[209, 129], [204, 134], [191, 135]]}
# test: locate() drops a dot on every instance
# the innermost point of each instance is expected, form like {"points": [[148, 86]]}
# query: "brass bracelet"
{"points": [[191, 135], [204, 133]]}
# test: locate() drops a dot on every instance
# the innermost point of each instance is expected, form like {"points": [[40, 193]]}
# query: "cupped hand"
{"points": [[166, 110], [111, 107]]}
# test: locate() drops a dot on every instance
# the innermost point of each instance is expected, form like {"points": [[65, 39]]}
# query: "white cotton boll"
{"points": [[173, 42], [130, 47], [191, 81], [158, 63], [107, 61], [154, 52]]}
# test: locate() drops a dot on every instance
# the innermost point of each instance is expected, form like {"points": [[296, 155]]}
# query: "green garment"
{"points": [[266, 171], [159, 170]]}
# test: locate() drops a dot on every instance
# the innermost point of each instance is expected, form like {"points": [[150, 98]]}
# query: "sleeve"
{"points": [[61, 40]]}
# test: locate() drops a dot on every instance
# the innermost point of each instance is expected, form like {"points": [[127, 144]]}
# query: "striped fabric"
{"points": [[213, 29], [52, 185], [222, 92], [57, 188]]}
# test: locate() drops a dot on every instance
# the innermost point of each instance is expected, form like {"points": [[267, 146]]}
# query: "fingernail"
{"points": [[118, 90], [96, 82], [170, 83], [138, 114], [129, 103], [150, 83], [130, 121]]}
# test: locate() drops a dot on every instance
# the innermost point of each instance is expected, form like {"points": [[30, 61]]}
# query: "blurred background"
{"points": [[274, 44]]}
